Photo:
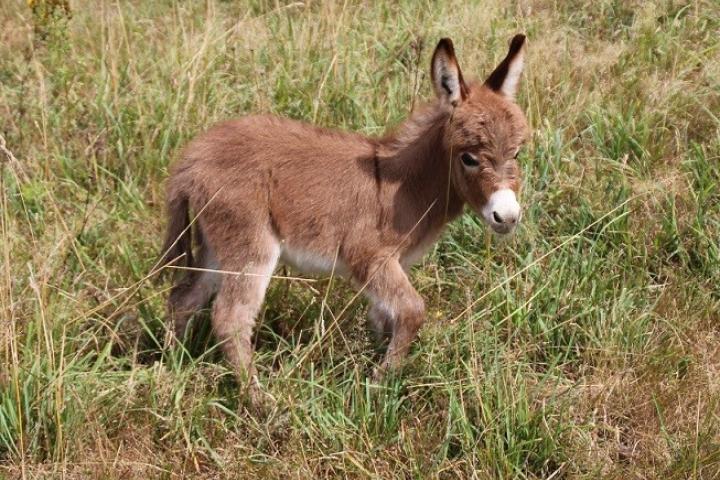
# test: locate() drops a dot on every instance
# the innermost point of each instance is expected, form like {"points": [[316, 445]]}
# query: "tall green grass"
{"points": [[587, 346]]}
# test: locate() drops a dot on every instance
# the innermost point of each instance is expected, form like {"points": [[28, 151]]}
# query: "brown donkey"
{"points": [[268, 190]]}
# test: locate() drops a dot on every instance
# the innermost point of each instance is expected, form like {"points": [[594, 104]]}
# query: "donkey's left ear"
{"points": [[506, 77], [446, 75]]}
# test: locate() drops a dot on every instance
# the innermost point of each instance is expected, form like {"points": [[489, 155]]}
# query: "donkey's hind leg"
{"points": [[240, 298], [194, 291]]}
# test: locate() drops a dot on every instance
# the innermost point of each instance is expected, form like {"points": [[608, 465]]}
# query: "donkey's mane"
{"points": [[420, 128]]}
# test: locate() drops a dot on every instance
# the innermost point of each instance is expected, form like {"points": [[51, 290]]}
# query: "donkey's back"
{"points": [[267, 153]]}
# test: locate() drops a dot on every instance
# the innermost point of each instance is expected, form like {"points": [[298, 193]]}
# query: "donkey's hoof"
{"points": [[257, 401], [379, 374]]}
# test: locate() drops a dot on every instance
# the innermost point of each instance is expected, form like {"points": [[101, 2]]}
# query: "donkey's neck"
{"points": [[415, 153]]}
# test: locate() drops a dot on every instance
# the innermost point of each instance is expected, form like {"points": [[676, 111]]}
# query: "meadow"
{"points": [[586, 346]]}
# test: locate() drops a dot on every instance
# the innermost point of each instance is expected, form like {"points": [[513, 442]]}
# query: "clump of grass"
{"points": [[585, 347]]}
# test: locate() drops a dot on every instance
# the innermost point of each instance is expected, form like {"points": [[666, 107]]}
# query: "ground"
{"points": [[587, 346]]}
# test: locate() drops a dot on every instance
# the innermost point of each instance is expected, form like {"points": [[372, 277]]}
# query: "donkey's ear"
{"points": [[506, 77], [446, 75]]}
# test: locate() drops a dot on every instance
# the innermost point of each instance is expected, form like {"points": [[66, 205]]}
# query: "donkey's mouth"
{"points": [[499, 227], [502, 230]]}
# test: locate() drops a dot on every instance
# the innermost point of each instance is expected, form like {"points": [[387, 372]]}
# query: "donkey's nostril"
{"points": [[497, 218]]}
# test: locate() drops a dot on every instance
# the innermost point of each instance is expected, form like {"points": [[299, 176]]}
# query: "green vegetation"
{"points": [[587, 346]]}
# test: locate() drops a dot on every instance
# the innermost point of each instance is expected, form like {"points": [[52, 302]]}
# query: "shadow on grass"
{"points": [[292, 322]]}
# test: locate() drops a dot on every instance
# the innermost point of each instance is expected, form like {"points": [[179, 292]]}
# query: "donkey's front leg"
{"points": [[392, 293]]}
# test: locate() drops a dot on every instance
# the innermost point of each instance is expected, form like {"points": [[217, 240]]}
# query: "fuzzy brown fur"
{"points": [[269, 189]]}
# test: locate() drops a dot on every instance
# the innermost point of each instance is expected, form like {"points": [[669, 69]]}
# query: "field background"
{"points": [[588, 346]]}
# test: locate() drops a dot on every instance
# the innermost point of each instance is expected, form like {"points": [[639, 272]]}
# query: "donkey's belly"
{"points": [[312, 263]]}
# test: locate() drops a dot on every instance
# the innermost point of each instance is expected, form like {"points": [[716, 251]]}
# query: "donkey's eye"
{"points": [[469, 161], [517, 154]]}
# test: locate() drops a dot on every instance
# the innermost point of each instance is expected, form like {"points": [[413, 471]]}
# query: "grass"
{"points": [[585, 347]]}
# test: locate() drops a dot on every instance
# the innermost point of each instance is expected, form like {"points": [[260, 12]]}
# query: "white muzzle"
{"points": [[502, 211]]}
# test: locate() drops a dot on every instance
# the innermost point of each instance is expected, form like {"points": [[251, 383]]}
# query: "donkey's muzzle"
{"points": [[502, 211]]}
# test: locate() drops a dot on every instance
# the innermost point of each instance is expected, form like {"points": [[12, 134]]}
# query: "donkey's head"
{"points": [[484, 134]]}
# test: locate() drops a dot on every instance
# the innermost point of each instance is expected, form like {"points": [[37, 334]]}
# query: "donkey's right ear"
{"points": [[446, 75]]}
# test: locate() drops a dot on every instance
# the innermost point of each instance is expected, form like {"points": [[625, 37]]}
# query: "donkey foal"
{"points": [[268, 190]]}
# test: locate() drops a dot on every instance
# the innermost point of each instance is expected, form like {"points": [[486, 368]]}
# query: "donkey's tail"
{"points": [[177, 249]]}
